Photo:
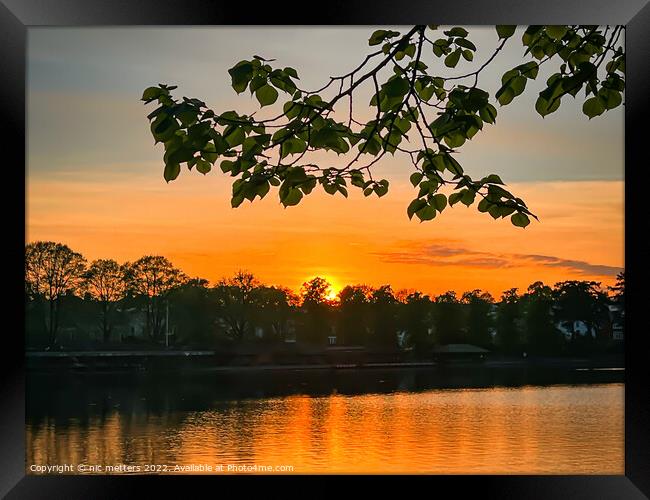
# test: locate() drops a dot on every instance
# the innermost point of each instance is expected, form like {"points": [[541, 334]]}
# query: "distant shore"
{"points": [[210, 361]]}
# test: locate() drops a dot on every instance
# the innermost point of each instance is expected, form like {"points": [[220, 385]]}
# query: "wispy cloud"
{"points": [[577, 265], [444, 255]]}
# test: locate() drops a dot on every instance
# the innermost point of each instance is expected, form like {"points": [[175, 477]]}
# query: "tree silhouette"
{"points": [[315, 327], [383, 306], [315, 291], [362, 315], [424, 116], [153, 277], [235, 297], [479, 320], [192, 313], [448, 319], [508, 314], [354, 312], [542, 337], [618, 290], [415, 319], [105, 281], [274, 310], [51, 271], [579, 301]]}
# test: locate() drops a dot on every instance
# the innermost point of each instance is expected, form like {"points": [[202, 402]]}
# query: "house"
{"points": [[617, 320], [578, 327], [132, 325], [459, 352]]}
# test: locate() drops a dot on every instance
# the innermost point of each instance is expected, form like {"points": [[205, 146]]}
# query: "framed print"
{"points": [[251, 246]]}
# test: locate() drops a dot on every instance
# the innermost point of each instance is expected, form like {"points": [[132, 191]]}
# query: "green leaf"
{"points": [[439, 201], [505, 210], [425, 93], [610, 98], [241, 74], [529, 70], [454, 140], [209, 152], [371, 146], [203, 166], [468, 197], [396, 87], [506, 30], [545, 107], [518, 84], [235, 136], [293, 145], [426, 213], [379, 36], [495, 211], [257, 82], [425, 188], [483, 205], [330, 188], [292, 197], [414, 206], [452, 59], [356, 178], [163, 127], [513, 85], [325, 138], [520, 220], [455, 198], [381, 189], [593, 107], [151, 93], [235, 201], [462, 42], [262, 189], [171, 171], [416, 177], [266, 95], [505, 95], [492, 179], [488, 113], [556, 32], [456, 31]]}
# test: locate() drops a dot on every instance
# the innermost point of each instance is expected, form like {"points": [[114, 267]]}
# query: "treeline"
{"points": [[101, 298]]}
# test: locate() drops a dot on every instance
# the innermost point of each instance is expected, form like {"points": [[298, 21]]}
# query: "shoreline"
{"points": [[573, 364]]}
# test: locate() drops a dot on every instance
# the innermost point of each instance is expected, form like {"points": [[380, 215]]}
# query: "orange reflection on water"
{"points": [[527, 430]]}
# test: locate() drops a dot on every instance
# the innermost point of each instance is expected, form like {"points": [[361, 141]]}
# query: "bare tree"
{"points": [[105, 281], [152, 277], [51, 271], [234, 297]]}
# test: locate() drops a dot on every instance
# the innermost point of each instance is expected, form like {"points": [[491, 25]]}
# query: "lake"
{"points": [[447, 421]]}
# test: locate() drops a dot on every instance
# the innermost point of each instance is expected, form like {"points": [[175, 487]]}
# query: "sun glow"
{"points": [[332, 295], [334, 285]]}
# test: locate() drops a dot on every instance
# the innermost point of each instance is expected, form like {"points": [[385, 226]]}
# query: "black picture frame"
{"points": [[16, 16]]}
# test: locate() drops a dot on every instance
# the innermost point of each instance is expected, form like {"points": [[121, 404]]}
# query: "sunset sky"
{"points": [[94, 176]]}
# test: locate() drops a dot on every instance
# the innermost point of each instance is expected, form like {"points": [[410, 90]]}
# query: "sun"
{"points": [[332, 295], [334, 288]]}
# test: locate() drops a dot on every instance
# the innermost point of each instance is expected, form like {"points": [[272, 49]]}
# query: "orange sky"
{"points": [[358, 240], [94, 177]]}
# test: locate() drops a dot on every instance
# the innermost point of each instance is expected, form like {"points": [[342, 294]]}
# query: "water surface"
{"points": [[416, 427]]}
